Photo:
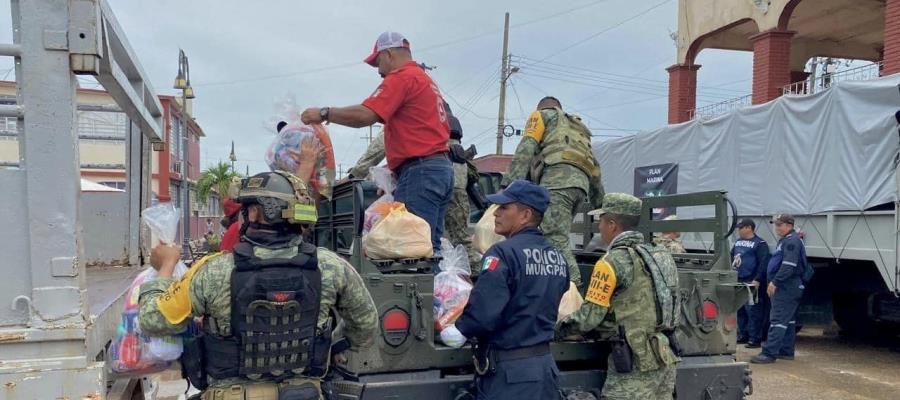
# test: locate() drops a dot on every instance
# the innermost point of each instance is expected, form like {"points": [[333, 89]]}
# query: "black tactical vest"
{"points": [[274, 312]]}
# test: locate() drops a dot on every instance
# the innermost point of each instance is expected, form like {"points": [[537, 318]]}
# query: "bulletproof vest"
{"points": [[629, 309], [569, 143], [274, 312]]}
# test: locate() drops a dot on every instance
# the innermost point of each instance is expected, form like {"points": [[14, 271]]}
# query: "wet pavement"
{"points": [[828, 367]]}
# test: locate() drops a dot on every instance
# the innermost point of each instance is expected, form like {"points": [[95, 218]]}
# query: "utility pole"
{"points": [[504, 74], [340, 171]]}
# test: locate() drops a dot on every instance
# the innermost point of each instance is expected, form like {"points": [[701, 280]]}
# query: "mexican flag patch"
{"points": [[489, 263]]}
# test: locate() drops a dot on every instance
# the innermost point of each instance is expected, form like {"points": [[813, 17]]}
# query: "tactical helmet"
{"points": [[283, 197]]}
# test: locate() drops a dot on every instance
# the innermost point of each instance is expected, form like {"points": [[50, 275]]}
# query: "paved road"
{"points": [[828, 367]]}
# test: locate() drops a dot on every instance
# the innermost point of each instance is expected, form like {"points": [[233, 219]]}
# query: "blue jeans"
{"points": [[425, 186]]}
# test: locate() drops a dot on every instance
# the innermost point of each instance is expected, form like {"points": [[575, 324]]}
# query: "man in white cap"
{"points": [[416, 129]]}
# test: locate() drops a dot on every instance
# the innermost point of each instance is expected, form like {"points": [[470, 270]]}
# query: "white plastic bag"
{"points": [[571, 302], [452, 285], [484, 236], [162, 219]]}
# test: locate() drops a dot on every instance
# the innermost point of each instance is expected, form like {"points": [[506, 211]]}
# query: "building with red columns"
{"points": [[783, 36]]}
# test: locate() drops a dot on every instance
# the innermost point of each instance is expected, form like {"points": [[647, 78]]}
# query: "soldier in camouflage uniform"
{"points": [[555, 153], [621, 300], [456, 220], [670, 240], [275, 207]]}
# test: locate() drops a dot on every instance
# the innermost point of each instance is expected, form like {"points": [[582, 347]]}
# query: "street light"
{"points": [[183, 82]]}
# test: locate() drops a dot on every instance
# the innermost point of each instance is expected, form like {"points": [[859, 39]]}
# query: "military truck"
{"points": [[409, 362]]}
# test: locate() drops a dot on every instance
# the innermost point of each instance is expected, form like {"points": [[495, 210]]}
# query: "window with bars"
{"points": [[102, 125]]}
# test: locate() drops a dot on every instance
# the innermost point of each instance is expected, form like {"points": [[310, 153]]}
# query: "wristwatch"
{"points": [[323, 113]]}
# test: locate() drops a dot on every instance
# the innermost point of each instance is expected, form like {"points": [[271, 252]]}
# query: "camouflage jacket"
{"points": [[210, 296], [591, 314], [373, 156], [560, 176], [672, 245]]}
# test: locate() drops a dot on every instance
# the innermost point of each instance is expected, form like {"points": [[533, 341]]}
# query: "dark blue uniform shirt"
{"points": [[786, 267], [516, 299], [754, 255]]}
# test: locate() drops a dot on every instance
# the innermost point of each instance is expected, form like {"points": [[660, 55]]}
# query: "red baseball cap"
{"points": [[386, 40], [231, 207]]}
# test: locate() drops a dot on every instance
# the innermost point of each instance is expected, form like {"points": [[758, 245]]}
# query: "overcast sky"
{"points": [[604, 60]]}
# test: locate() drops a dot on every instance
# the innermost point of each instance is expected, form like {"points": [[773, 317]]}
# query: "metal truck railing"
{"points": [[55, 321]]}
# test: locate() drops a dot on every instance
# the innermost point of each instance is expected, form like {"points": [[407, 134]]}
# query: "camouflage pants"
{"points": [[558, 224], [456, 226], [648, 385]]}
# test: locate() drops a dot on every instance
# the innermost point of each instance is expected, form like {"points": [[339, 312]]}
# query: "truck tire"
{"points": [[852, 315]]}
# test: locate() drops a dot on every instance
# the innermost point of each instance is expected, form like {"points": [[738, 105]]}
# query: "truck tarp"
{"points": [[831, 151]]}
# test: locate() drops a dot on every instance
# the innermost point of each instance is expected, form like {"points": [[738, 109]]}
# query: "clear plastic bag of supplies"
{"points": [[134, 352], [451, 286], [384, 180], [399, 234], [290, 138], [571, 302], [484, 236]]}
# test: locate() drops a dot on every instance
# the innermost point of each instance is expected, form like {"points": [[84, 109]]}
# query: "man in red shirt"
{"points": [[232, 224], [416, 130]]}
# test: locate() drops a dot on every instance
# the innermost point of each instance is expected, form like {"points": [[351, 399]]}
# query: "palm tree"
{"points": [[218, 176]]}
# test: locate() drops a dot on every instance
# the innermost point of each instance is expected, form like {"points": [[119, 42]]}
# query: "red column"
{"points": [[891, 37], [682, 92], [771, 64]]}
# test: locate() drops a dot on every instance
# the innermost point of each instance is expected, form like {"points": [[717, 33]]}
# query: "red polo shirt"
{"points": [[415, 123]]}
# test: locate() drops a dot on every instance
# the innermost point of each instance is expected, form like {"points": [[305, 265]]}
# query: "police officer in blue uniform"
{"points": [[750, 256], [513, 307], [787, 271]]}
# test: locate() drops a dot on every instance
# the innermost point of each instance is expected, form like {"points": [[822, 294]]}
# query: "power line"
{"points": [[422, 50], [624, 84], [519, 101], [620, 23], [529, 62]]}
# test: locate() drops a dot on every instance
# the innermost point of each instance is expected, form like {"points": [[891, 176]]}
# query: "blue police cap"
{"points": [[524, 192]]}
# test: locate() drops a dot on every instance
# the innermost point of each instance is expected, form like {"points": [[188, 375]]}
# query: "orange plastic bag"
{"points": [[399, 234]]}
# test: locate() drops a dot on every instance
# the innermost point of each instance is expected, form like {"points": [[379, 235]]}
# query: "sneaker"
{"points": [[762, 359], [753, 345], [785, 357], [742, 340]]}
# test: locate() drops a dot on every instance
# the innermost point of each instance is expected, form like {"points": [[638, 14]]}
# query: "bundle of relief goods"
{"points": [[132, 351], [399, 234], [452, 285], [292, 142]]}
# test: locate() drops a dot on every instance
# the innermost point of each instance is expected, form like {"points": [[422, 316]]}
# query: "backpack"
{"points": [[664, 276], [808, 271]]}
